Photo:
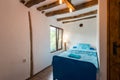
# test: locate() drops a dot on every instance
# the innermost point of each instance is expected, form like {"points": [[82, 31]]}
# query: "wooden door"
{"points": [[114, 39]]}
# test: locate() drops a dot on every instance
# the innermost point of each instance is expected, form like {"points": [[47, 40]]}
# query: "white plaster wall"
{"points": [[14, 41], [41, 41], [103, 38], [53, 21], [85, 34]]}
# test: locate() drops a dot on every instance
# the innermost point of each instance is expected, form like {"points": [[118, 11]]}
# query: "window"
{"points": [[56, 38]]}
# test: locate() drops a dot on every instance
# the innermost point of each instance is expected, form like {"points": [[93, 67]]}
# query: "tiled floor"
{"points": [[46, 74]]}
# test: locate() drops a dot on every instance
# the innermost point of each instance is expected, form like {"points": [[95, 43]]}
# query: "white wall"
{"points": [[85, 34], [15, 40], [41, 46], [41, 39], [103, 38]]}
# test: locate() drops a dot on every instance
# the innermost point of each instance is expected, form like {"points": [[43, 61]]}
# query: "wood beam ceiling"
{"points": [[79, 19], [77, 7], [69, 4], [48, 6], [30, 3], [54, 4], [78, 16]]}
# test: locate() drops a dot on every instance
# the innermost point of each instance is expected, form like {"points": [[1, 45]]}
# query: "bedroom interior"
{"points": [[25, 39]]}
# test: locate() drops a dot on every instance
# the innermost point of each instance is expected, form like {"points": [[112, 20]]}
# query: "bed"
{"points": [[76, 64]]}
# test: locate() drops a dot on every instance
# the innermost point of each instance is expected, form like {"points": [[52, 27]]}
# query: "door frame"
{"points": [[108, 39]]}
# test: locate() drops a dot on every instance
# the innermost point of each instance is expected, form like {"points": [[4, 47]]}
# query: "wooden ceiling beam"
{"points": [[48, 6], [54, 4], [78, 16], [77, 7], [79, 19], [30, 3], [69, 4]]}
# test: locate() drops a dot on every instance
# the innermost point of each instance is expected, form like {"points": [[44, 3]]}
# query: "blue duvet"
{"points": [[82, 55]]}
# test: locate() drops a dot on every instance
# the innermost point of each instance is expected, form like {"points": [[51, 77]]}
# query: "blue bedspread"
{"points": [[79, 68], [75, 64], [85, 55]]}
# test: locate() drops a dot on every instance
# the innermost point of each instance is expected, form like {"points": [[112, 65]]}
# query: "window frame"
{"points": [[57, 38]]}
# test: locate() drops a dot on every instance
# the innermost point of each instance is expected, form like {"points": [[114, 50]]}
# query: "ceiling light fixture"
{"points": [[60, 1], [70, 10]]}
